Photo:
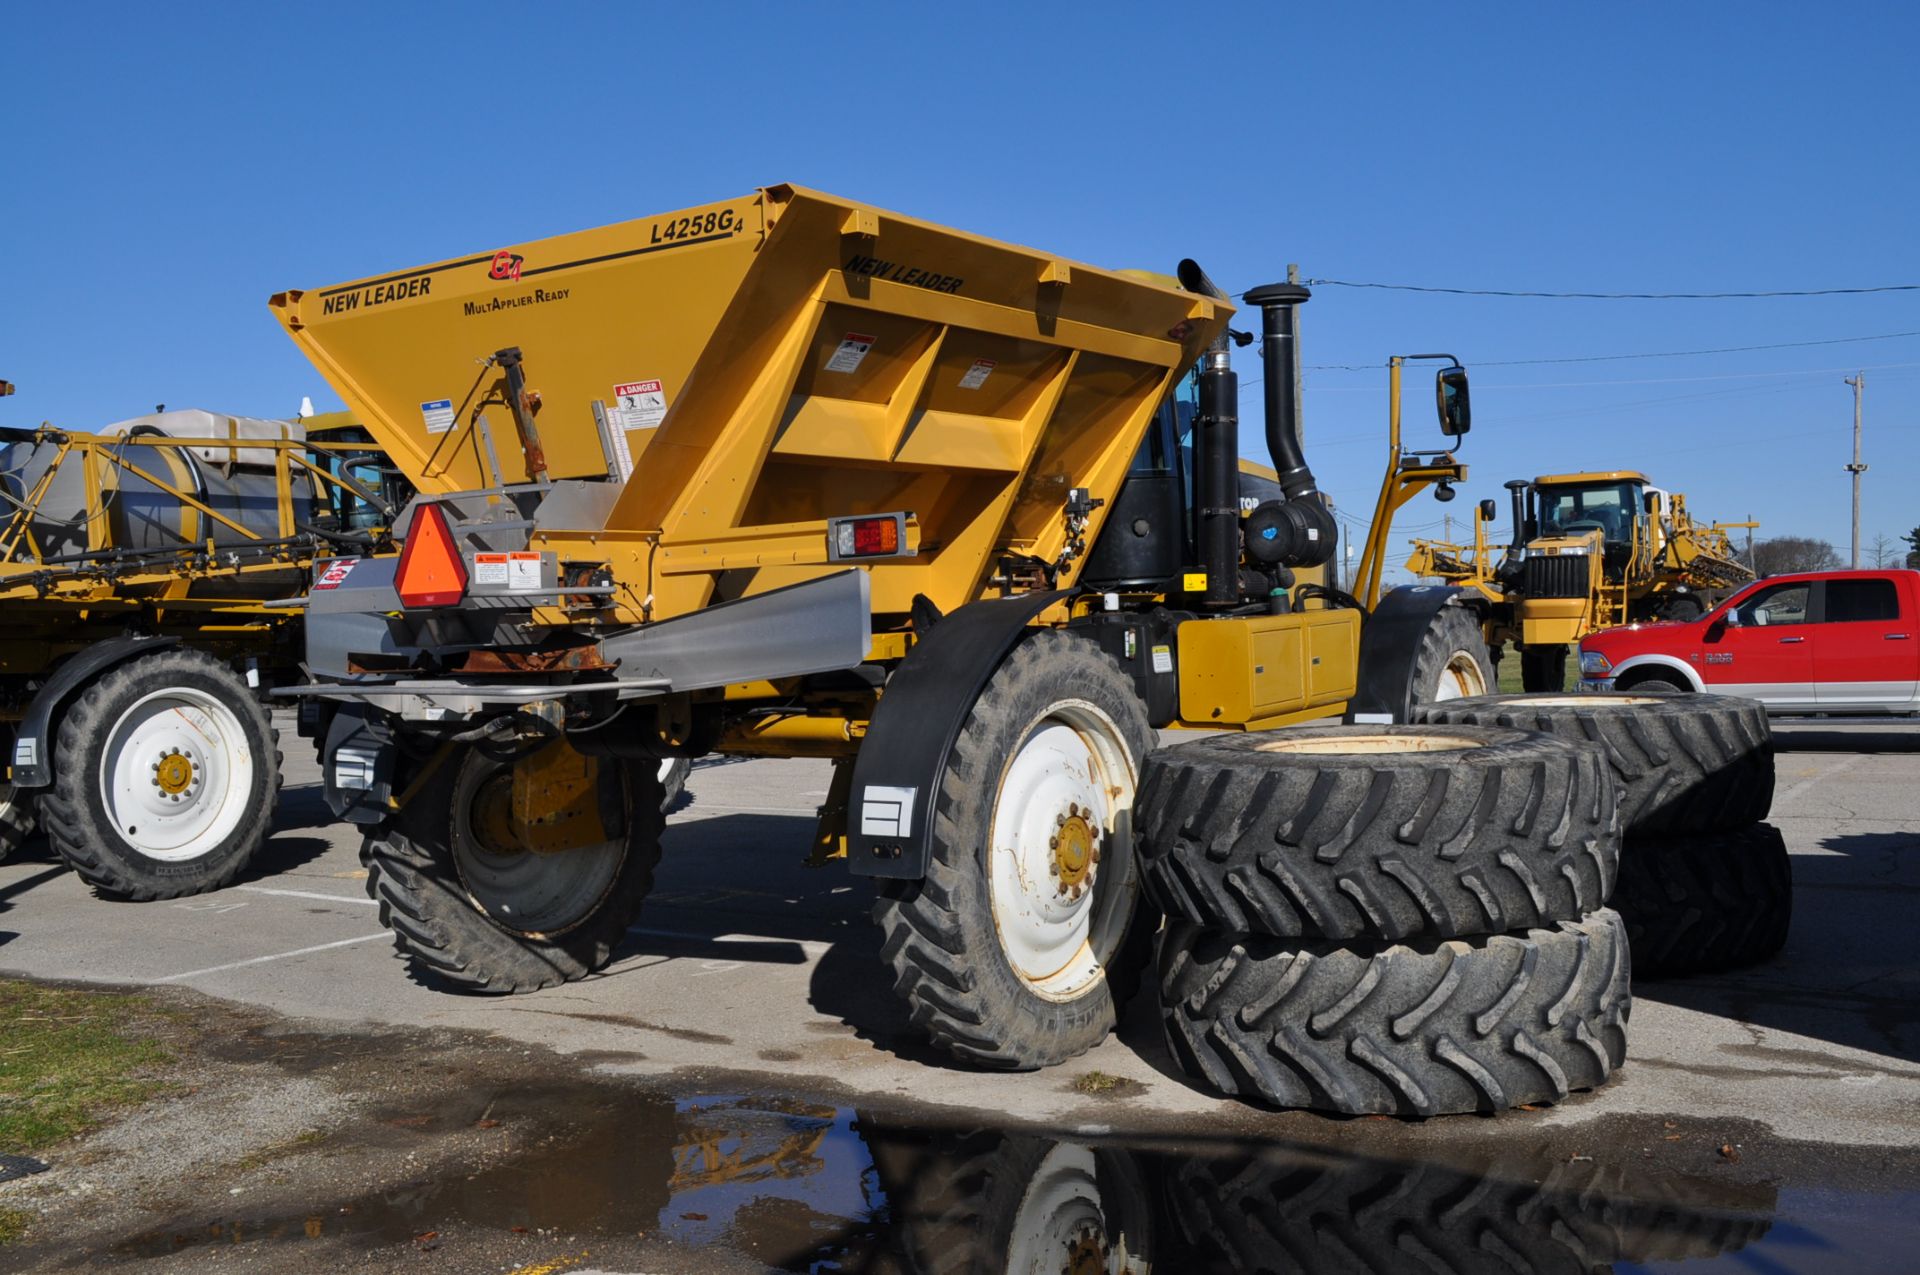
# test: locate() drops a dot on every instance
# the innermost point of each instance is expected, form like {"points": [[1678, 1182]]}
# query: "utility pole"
{"points": [[1859, 382]]}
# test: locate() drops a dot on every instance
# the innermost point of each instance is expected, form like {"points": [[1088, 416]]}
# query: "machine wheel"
{"points": [[1681, 763], [16, 819], [488, 900], [673, 782], [1020, 944], [1453, 660], [1443, 1027], [165, 777], [1543, 668], [1698, 904], [1378, 832]]}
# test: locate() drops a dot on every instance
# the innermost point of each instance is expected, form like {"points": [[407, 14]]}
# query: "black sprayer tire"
{"points": [[1420, 1030], [1682, 763], [954, 939], [16, 819], [1452, 659], [472, 918], [1378, 832], [1544, 668], [1708, 902], [673, 783], [166, 773], [1510, 1213]]}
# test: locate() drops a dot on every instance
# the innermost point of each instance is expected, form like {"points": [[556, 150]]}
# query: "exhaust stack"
{"points": [[1299, 531]]}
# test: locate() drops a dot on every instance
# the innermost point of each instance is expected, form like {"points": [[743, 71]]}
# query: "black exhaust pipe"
{"points": [[1216, 457], [1518, 487], [1299, 531]]}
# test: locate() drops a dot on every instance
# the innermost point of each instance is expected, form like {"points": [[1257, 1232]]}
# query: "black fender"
{"points": [[1389, 639], [33, 738], [361, 751], [890, 813]]}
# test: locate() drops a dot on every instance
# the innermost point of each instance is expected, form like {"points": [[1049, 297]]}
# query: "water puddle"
{"points": [[792, 1185]]}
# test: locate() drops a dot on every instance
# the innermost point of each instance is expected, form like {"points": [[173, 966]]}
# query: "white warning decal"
{"points": [[977, 375], [638, 405], [335, 573], [489, 568], [438, 415], [1163, 659], [886, 812], [853, 348], [523, 572]]}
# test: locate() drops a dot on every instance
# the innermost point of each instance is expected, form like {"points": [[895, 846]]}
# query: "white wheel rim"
{"points": [[538, 895], [1460, 679], [1062, 1223], [176, 774], [1058, 929]]}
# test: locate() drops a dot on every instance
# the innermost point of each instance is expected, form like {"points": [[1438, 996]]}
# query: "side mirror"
{"points": [[1450, 392], [1487, 510]]}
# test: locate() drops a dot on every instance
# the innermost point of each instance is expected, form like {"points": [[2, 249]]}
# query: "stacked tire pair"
{"points": [[1388, 919], [1704, 884]]}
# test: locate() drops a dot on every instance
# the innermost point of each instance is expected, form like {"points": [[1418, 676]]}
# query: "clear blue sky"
{"points": [[170, 166]]}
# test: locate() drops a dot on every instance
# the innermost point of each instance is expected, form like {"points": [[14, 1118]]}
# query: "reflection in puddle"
{"points": [[805, 1187]]}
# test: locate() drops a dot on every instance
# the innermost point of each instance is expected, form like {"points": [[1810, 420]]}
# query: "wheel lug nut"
{"points": [[1053, 868]]}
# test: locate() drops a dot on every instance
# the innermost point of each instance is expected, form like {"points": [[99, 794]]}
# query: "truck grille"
{"points": [[1556, 577]]}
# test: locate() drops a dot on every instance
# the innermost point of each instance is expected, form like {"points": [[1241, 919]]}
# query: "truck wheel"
{"points": [[1443, 1027], [1543, 668], [1378, 832], [1695, 905], [1453, 660], [1681, 763], [16, 819], [1020, 944], [673, 782], [488, 901], [165, 777]]}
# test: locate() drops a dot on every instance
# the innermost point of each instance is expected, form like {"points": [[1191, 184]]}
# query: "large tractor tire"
{"points": [[166, 773], [1378, 832], [1543, 668], [484, 895], [1510, 1213], [1018, 947], [1452, 661], [1431, 1029], [16, 819], [673, 783], [1682, 763], [1706, 903]]}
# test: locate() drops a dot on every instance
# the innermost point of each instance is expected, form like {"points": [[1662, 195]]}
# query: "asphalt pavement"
{"points": [[746, 962]]}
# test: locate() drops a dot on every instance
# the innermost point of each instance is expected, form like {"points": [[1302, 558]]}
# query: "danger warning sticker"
{"points": [[977, 375], [853, 348], [517, 572], [638, 405], [335, 573]]}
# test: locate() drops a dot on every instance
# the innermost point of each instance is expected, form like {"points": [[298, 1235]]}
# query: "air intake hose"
{"points": [[1298, 531]]}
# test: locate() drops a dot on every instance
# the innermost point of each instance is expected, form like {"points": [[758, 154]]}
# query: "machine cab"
{"points": [[1616, 504]]}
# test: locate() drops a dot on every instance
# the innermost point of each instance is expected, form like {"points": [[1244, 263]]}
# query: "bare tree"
{"points": [[1782, 554], [1887, 551]]}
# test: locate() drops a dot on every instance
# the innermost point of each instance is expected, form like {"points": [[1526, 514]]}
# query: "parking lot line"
{"points": [[277, 956], [310, 894]]}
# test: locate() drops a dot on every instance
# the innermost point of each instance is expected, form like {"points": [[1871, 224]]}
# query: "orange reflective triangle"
{"points": [[432, 572]]}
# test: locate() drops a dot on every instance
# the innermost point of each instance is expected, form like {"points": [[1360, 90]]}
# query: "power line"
{"points": [[1616, 296], [1615, 358]]}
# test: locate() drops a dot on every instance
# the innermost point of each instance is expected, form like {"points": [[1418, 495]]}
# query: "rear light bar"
{"points": [[432, 572], [868, 536]]}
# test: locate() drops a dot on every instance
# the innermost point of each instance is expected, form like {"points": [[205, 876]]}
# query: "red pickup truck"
{"points": [[1814, 642]]}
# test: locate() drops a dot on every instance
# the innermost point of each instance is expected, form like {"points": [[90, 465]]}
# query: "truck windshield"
{"points": [[1608, 507]]}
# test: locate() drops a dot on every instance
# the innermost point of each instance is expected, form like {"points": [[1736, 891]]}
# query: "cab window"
{"points": [[1782, 604], [1609, 508], [1861, 600]]}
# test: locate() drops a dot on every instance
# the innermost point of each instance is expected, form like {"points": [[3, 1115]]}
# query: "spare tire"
{"points": [[1683, 763], [1693, 905], [1418, 1030], [1377, 832]]}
